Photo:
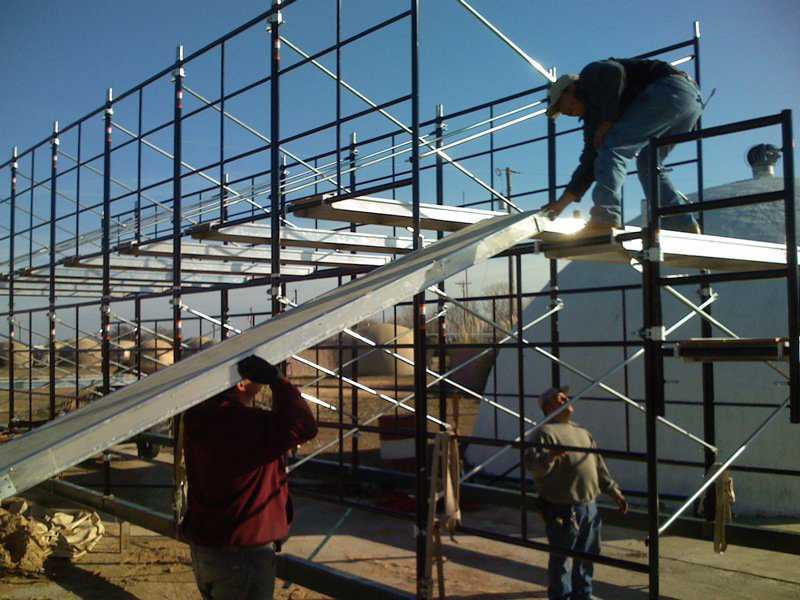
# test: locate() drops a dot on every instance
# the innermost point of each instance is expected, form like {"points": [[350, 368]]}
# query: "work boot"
{"points": [[597, 228]]}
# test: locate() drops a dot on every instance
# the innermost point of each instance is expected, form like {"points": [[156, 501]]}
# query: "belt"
{"points": [[234, 549]]}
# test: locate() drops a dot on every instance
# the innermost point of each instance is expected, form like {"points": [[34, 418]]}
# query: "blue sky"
{"points": [[60, 57]]}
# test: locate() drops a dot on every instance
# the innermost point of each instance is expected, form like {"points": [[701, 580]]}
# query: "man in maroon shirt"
{"points": [[238, 505]]}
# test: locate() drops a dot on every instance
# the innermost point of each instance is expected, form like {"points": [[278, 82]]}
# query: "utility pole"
{"points": [[464, 285], [511, 287]]}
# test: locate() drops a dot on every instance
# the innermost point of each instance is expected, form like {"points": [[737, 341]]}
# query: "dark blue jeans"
{"points": [[245, 574], [667, 106], [575, 527]]}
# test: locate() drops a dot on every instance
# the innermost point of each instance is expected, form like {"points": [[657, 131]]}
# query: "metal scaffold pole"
{"points": [[555, 369], [12, 333], [51, 363], [441, 321], [653, 363], [275, 20], [177, 152], [793, 293], [420, 376], [105, 307]]}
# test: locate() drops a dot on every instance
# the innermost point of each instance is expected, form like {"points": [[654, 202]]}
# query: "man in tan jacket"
{"points": [[568, 482]]}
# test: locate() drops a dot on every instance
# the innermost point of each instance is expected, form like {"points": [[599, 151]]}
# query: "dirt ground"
{"points": [[381, 548]]}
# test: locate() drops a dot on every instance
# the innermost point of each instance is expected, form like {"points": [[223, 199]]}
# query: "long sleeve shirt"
{"points": [[238, 489], [607, 88], [574, 478]]}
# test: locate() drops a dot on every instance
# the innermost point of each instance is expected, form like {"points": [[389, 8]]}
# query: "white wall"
{"points": [[752, 309]]}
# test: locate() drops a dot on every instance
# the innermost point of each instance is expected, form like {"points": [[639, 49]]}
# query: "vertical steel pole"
{"points": [[275, 20], [555, 369], [491, 161], [654, 381], [137, 317], [78, 192], [224, 295], [30, 361], [105, 324], [222, 175], [138, 209], [441, 322], [224, 312], [354, 345], [282, 212], [510, 259], [699, 142], [338, 134], [624, 325], [791, 265], [12, 330], [420, 379], [30, 213], [709, 416], [521, 403], [77, 362], [177, 216], [52, 308]]}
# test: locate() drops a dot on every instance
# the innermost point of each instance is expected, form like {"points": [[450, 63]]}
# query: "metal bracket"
{"points": [[276, 18], [7, 487], [653, 254], [655, 334]]}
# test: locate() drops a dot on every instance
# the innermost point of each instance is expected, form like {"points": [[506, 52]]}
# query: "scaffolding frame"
{"points": [[212, 210]]}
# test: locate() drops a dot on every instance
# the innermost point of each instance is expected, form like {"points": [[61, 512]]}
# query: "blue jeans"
{"points": [[575, 527], [244, 574], [669, 105]]}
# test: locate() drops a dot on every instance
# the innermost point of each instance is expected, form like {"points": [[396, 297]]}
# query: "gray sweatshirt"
{"points": [[577, 477]]}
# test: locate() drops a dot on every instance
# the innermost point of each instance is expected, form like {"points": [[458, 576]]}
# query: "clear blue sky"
{"points": [[59, 58]]}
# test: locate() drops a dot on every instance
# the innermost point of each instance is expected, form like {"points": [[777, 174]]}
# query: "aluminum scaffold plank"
{"points": [[65, 441]]}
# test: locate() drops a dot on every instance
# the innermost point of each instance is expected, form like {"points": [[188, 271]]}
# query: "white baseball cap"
{"points": [[556, 89]]}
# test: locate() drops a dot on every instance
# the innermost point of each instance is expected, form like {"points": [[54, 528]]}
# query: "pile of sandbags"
{"points": [[76, 531], [26, 542]]}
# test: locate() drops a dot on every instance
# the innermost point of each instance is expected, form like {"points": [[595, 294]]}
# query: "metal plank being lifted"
{"points": [[65, 441], [299, 237], [385, 211], [681, 250]]}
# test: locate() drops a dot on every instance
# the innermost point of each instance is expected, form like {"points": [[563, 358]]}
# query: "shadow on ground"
{"points": [[82, 582]]}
